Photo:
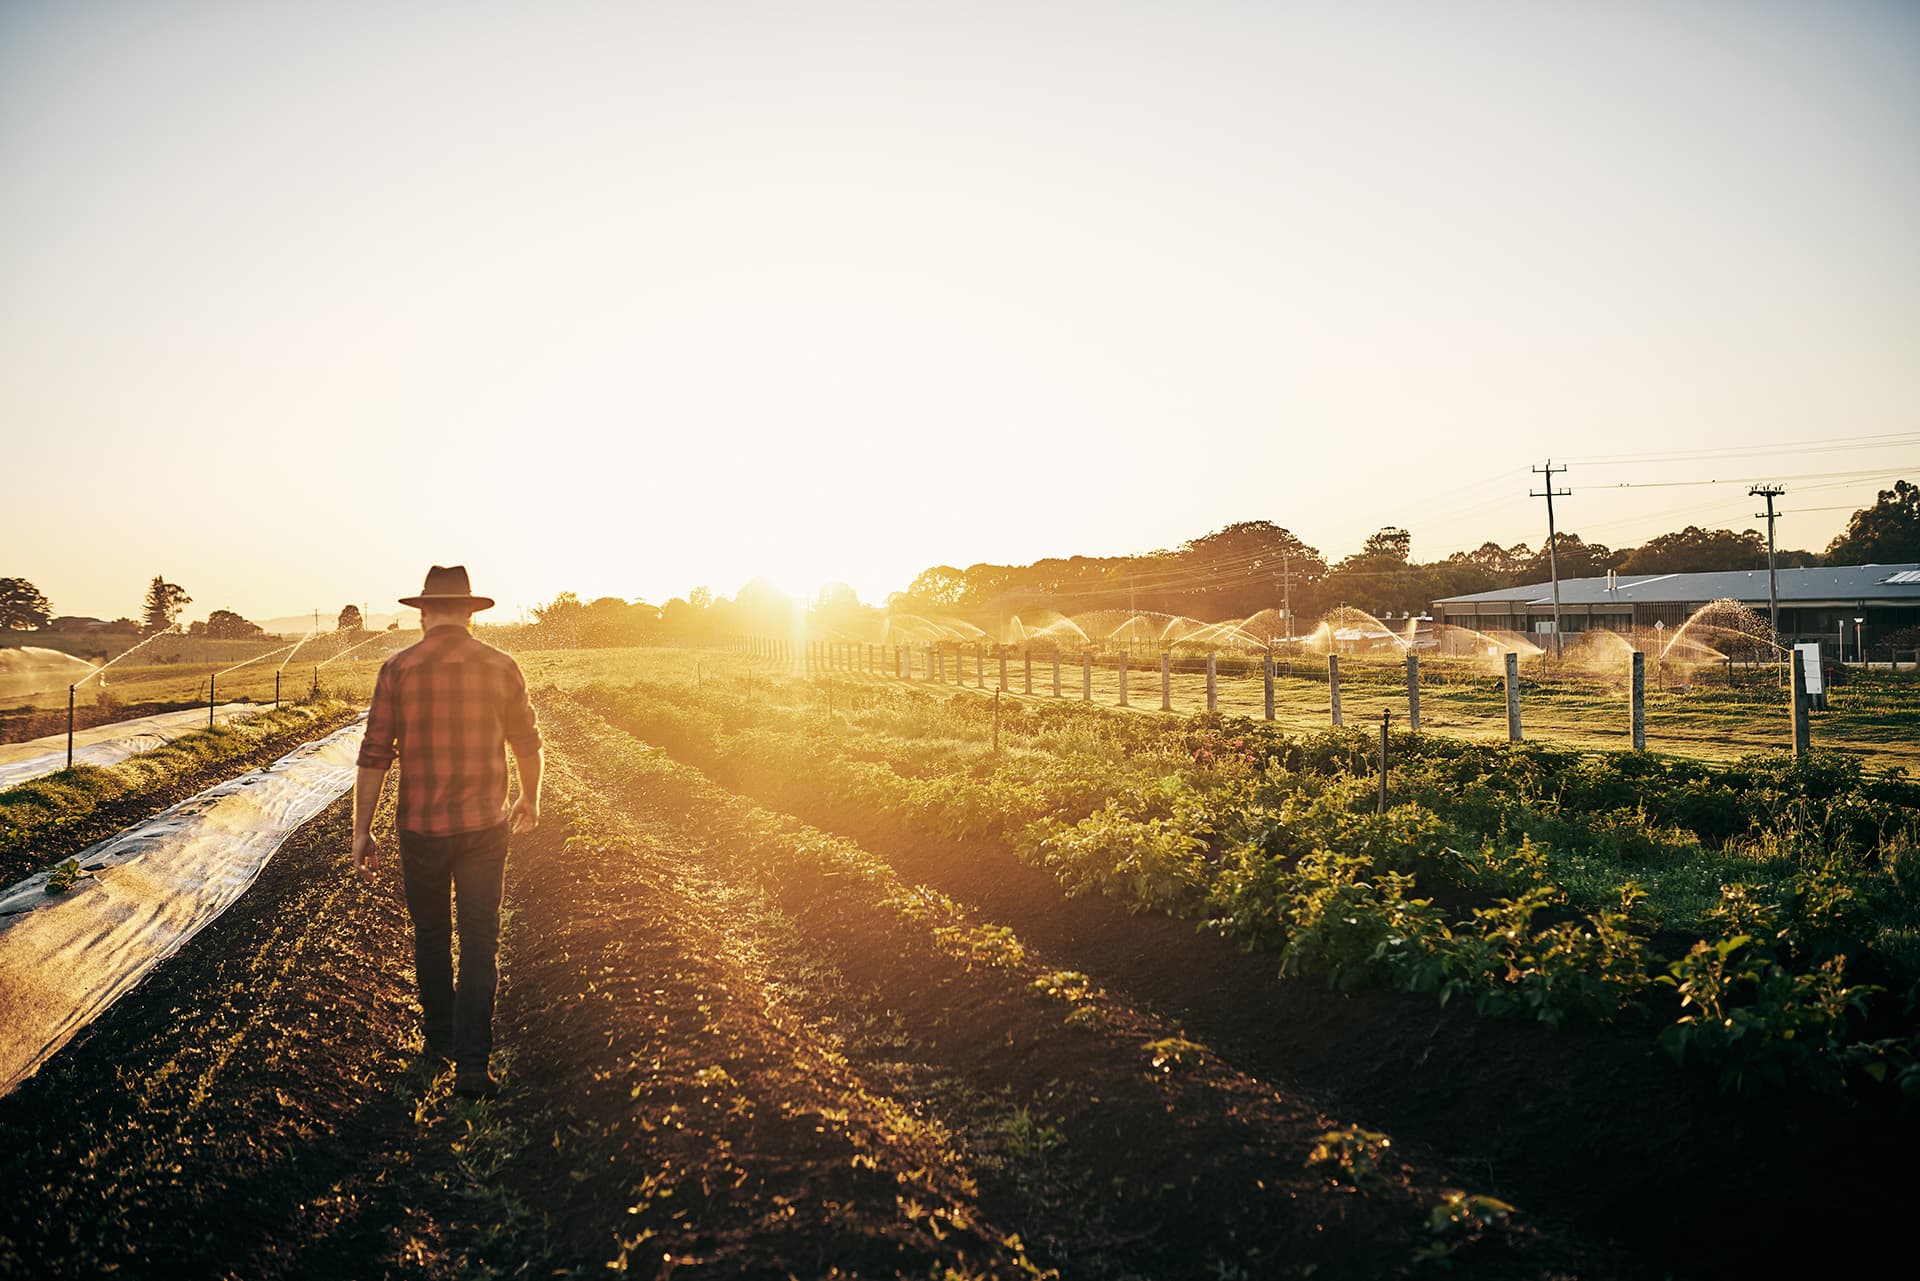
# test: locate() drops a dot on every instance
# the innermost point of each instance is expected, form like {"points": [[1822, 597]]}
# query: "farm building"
{"points": [[1814, 603]]}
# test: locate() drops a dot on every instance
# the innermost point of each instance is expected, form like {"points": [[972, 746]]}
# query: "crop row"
{"points": [[1765, 915], [55, 815]]}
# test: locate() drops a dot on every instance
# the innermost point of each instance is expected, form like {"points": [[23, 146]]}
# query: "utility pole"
{"points": [[1770, 492], [1553, 555]]}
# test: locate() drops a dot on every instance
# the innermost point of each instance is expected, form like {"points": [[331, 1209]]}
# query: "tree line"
{"points": [[1232, 572]]}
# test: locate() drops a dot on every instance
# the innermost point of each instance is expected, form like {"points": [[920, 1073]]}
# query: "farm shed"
{"points": [[1814, 603]]}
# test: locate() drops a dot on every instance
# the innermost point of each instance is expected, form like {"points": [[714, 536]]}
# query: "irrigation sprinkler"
{"points": [[70, 690]]}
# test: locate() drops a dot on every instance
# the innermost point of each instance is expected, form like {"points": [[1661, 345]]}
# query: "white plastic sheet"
{"points": [[107, 744], [64, 958]]}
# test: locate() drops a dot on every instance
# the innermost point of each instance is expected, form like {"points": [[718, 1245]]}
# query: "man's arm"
{"points": [[525, 815], [523, 734], [366, 799], [377, 754]]}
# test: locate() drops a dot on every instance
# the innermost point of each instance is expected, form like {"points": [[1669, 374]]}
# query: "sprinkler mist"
{"points": [[131, 649], [248, 662]]}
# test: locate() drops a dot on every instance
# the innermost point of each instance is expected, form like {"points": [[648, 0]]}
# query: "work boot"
{"points": [[474, 1082]]}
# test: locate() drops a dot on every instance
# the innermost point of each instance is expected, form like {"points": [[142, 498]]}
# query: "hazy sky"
{"points": [[624, 298]]}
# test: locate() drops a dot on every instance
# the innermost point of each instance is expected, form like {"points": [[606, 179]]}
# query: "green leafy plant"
{"points": [[1460, 1220], [1758, 1022], [63, 877], [1354, 1152]]}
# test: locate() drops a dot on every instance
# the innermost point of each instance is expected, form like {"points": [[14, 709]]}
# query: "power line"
{"points": [[1831, 445]]}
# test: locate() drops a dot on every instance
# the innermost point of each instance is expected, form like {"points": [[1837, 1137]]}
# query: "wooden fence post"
{"points": [[1086, 676], [1166, 681], [1123, 678], [1213, 686], [1413, 692], [1267, 679], [1639, 698], [1333, 688], [1802, 729], [1056, 673], [1513, 698]]}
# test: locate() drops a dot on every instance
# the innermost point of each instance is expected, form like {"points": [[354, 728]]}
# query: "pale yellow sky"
{"points": [[625, 298]]}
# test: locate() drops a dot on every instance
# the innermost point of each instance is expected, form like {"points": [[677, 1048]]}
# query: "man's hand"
{"points": [[366, 857], [524, 816]]}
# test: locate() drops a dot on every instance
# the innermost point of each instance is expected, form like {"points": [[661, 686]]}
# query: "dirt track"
{"points": [[736, 1047]]}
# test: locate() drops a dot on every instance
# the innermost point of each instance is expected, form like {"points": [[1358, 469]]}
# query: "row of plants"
{"points": [[1765, 916], [776, 850], [48, 819]]}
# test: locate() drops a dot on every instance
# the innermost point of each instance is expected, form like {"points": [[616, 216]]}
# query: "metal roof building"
{"points": [[1814, 603]]}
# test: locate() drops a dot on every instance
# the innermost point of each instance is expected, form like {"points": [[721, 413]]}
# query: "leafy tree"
{"points": [[942, 586], [1390, 543], [224, 624], [1695, 550], [162, 606], [1887, 533], [350, 620], [1241, 569], [22, 605]]}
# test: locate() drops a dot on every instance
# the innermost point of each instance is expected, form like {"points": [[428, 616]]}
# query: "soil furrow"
{"points": [[1186, 1169]]}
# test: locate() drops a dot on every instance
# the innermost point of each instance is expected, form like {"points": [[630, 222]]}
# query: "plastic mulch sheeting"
{"points": [[107, 744], [64, 958]]}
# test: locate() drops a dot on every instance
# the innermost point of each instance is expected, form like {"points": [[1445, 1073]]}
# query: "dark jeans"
{"points": [[470, 867]]}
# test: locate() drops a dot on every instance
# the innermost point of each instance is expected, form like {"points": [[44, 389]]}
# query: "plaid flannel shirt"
{"points": [[445, 708]]}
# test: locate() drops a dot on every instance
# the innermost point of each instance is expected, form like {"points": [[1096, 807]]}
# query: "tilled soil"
{"points": [[732, 1046], [1592, 1125]]}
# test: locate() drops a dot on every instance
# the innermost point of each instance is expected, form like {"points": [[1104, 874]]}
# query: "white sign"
{"points": [[1810, 664]]}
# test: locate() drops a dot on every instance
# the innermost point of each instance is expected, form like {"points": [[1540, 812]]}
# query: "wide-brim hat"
{"points": [[448, 585]]}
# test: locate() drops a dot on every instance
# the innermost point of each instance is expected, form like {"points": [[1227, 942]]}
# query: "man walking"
{"points": [[445, 708]]}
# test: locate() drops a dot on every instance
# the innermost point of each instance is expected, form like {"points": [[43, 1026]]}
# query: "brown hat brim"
{"points": [[475, 603]]}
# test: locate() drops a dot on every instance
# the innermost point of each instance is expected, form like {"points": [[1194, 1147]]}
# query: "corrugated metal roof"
{"points": [[1835, 582]]}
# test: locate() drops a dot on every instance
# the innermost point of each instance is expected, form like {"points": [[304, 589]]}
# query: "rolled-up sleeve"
{"points": [[379, 746], [516, 718]]}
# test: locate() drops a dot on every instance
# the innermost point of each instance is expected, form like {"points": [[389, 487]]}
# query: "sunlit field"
{"points": [[923, 978]]}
